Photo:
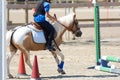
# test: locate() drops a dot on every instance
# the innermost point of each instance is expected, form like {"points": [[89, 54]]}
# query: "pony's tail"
{"points": [[8, 37]]}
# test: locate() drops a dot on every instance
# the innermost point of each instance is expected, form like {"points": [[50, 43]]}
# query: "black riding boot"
{"points": [[49, 45]]}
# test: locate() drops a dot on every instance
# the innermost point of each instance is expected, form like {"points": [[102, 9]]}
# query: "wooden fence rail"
{"points": [[63, 5], [103, 19], [27, 6]]}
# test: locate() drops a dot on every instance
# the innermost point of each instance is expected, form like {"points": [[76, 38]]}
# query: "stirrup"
{"points": [[50, 48]]}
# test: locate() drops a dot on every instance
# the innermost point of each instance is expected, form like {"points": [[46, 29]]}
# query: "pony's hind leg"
{"points": [[10, 54], [27, 58]]}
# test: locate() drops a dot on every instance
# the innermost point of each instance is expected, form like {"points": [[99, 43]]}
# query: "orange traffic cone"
{"points": [[35, 70], [21, 66]]}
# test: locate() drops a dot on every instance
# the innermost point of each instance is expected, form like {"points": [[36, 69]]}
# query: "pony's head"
{"points": [[75, 29], [71, 24]]}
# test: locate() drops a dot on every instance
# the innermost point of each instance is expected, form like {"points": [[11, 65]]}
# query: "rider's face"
{"points": [[49, 1]]}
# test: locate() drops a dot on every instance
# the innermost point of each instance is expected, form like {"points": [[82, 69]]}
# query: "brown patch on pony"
{"points": [[32, 46]]}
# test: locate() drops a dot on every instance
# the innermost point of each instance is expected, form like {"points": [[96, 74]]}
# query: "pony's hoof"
{"points": [[61, 71], [10, 76]]}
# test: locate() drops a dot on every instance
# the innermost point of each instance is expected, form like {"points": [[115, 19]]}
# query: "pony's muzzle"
{"points": [[78, 33]]}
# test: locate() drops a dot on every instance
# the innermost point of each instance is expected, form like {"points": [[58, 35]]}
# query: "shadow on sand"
{"points": [[77, 76], [69, 76]]}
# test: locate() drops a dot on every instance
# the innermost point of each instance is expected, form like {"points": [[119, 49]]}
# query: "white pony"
{"points": [[21, 38]]}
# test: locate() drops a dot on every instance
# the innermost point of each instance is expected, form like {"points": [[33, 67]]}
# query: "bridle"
{"points": [[74, 24], [70, 28]]}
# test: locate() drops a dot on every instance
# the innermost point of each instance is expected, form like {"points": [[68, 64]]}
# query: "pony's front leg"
{"points": [[61, 64], [55, 57]]}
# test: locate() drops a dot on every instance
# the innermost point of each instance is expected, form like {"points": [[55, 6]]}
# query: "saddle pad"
{"points": [[38, 36]]}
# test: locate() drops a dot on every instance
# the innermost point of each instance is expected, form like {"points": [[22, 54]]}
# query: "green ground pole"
{"points": [[97, 32], [109, 70], [2, 40], [111, 58]]}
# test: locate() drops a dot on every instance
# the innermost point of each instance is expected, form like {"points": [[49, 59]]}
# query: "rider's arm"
{"points": [[47, 8], [50, 17]]}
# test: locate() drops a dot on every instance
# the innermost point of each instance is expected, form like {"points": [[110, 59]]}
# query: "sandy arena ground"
{"points": [[79, 55]]}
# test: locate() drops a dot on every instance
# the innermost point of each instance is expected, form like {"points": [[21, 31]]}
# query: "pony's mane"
{"points": [[68, 19]]}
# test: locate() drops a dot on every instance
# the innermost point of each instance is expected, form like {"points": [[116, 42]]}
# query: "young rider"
{"points": [[40, 14]]}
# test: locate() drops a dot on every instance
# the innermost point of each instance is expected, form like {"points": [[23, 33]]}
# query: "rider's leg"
{"points": [[47, 26]]}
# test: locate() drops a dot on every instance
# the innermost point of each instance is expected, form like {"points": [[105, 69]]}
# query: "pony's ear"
{"points": [[74, 15]]}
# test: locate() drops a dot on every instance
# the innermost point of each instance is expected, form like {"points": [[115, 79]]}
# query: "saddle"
{"points": [[39, 27]]}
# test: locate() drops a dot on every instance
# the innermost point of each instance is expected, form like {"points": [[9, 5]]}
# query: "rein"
{"points": [[61, 23], [64, 25], [69, 29]]}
